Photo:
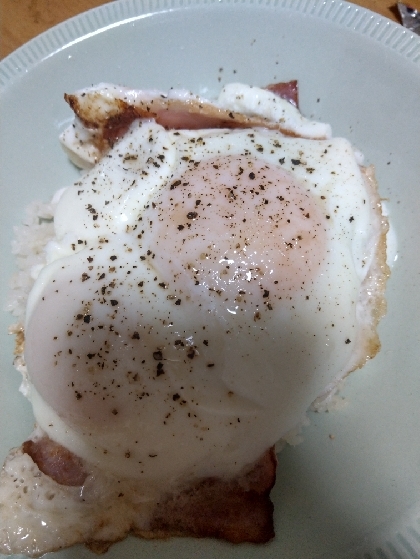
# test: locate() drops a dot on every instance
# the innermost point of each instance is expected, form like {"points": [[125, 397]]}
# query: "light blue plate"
{"points": [[356, 495]]}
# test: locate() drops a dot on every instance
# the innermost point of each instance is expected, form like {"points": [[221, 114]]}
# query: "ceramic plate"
{"points": [[356, 493]]}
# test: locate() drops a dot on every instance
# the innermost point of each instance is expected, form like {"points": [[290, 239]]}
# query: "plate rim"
{"points": [[97, 20]]}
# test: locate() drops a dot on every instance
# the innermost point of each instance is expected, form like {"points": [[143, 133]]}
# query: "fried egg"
{"points": [[203, 289]]}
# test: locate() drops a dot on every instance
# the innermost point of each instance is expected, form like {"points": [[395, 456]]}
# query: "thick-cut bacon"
{"points": [[174, 117], [286, 90], [238, 510], [56, 461], [175, 114]]}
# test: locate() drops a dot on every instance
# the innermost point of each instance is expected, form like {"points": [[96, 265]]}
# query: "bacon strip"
{"points": [[173, 114], [286, 90], [238, 510], [56, 461]]}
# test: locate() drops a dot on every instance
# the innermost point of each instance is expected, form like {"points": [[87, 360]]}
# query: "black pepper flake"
{"points": [[176, 397], [252, 176], [114, 302], [135, 336], [210, 364], [159, 370], [91, 355], [348, 341], [192, 215], [113, 257], [157, 355], [282, 160], [175, 184], [205, 342], [86, 318], [266, 293], [296, 161], [180, 227], [328, 216], [351, 219], [114, 412], [178, 302], [78, 395], [85, 276], [191, 353], [101, 276]]}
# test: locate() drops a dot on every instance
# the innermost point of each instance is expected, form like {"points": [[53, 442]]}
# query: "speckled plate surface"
{"points": [[352, 488]]}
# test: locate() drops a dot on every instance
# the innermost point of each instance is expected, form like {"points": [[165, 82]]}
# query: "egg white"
{"points": [[147, 374]]}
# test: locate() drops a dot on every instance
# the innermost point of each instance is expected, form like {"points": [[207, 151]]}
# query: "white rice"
{"points": [[28, 246]]}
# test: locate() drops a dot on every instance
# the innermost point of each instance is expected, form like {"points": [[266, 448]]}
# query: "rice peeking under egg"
{"points": [[217, 269]]}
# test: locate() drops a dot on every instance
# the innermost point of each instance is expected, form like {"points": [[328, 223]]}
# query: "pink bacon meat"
{"points": [[173, 114]]}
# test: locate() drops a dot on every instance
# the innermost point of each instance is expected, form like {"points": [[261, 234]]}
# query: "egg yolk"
{"points": [[235, 230]]}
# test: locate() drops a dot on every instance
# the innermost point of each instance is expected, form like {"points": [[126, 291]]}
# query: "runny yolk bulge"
{"points": [[237, 232]]}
